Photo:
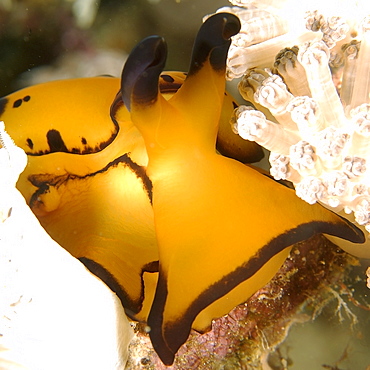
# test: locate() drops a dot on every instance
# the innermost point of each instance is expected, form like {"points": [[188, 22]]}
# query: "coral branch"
{"points": [[272, 93], [360, 144], [252, 125], [330, 145], [292, 71], [361, 88], [305, 112], [315, 57], [350, 52]]}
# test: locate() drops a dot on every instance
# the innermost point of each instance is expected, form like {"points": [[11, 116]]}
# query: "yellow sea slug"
{"points": [[127, 175], [223, 229]]}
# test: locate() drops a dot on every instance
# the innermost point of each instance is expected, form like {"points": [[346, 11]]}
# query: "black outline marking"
{"points": [[44, 181], [132, 307], [176, 333]]}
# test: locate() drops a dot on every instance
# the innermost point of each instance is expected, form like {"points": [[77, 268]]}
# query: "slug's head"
{"points": [[192, 114]]}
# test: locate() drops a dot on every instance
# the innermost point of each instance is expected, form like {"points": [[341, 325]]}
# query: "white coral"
{"points": [[54, 314], [318, 124]]}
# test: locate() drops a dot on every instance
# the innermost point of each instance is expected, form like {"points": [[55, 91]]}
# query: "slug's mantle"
{"points": [[310, 81], [203, 202]]}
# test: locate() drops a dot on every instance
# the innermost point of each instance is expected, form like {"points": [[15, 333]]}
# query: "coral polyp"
{"points": [[309, 84]]}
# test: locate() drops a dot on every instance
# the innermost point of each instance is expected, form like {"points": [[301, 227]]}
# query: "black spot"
{"points": [[83, 141], [105, 75], [167, 78], [30, 143], [27, 98], [17, 103], [55, 141], [3, 103]]}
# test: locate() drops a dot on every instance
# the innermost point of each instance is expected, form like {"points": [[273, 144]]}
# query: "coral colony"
{"points": [[312, 104]]}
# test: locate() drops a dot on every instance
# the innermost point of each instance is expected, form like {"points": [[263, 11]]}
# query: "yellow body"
{"points": [[223, 229], [94, 211], [95, 208]]}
